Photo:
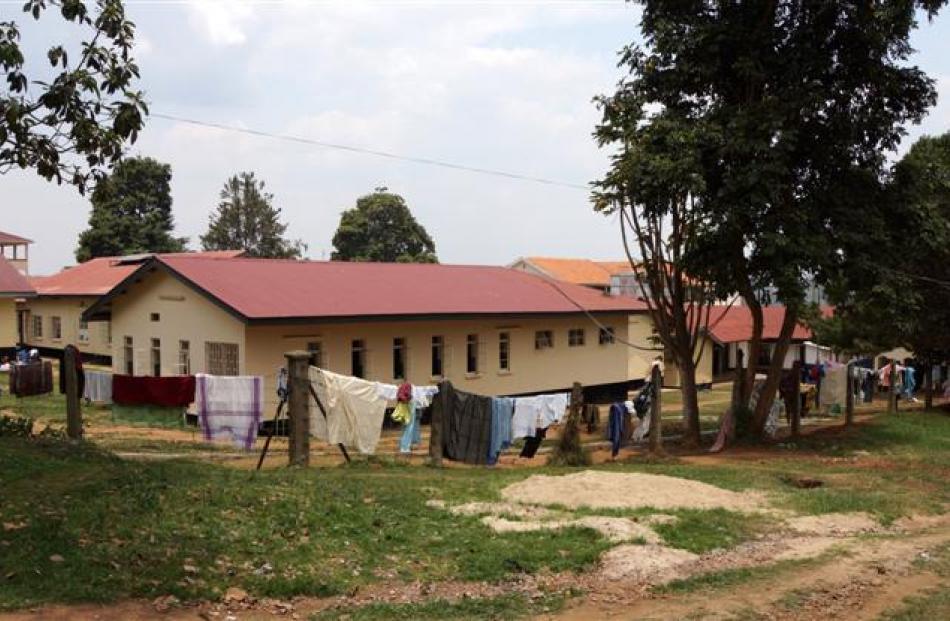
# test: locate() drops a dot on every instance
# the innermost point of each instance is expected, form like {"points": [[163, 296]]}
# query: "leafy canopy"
{"points": [[71, 119], [131, 212], [381, 228], [247, 220]]}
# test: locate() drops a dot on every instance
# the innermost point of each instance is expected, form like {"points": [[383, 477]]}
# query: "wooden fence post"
{"points": [[73, 405], [795, 416], [656, 411], [849, 399], [298, 406], [892, 397]]}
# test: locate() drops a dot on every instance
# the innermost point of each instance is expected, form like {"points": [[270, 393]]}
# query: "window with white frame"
{"points": [[607, 336], [504, 351], [471, 354], [156, 357], [438, 356], [83, 331], [56, 327], [184, 357], [128, 352], [37, 326], [399, 358]]}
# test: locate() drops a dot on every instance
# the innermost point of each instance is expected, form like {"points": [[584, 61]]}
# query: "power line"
{"points": [[375, 152]]}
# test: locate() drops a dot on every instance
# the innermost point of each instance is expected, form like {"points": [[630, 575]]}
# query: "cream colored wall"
{"points": [[8, 325], [704, 368], [68, 309], [184, 314], [531, 370], [640, 333]]}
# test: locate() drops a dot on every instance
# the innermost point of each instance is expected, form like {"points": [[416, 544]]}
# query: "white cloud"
{"points": [[222, 20]]}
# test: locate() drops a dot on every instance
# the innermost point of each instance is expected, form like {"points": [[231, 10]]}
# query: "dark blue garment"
{"points": [[502, 409], [618, 411]]}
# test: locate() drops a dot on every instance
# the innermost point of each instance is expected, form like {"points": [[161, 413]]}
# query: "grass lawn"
{"points": [[81, 525]]}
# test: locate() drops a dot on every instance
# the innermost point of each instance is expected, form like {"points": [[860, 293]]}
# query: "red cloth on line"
{"points": [[172, 391]]}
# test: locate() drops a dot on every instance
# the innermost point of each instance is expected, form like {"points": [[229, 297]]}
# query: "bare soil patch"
{"points": [[617, 490]]}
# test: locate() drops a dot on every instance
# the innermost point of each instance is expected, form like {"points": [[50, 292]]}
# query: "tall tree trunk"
{"points": [[755, 343], [774, 376], [929, 380], [691, 433]]}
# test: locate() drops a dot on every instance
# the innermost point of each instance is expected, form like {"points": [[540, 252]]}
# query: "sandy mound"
{"points": [[645, 564], [617, 530], [596, 489], [503, 508], [834, 524]]}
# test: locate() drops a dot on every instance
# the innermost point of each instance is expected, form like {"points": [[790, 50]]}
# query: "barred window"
{"points": [[607, 336], [504, 351], [222, 359], [56, 327], [184, 357], [358, 358], [37, 326], [471, 354], [399, 358], [438, 349], [575, 337], [543, 339], [156, 357], [129, 352]]}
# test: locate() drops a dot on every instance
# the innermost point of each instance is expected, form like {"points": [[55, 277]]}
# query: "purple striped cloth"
{"points": [[230, 408]]}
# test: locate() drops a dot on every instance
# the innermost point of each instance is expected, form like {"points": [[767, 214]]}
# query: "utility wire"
{"points": [[376, 152]]}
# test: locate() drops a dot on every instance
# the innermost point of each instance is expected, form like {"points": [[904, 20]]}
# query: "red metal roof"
{"points": [[10, 238], [98, 276], [275, 289], [12, 282], [734, 324]]}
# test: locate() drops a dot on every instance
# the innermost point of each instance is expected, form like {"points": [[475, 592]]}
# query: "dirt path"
{"points": [[861, 580]]}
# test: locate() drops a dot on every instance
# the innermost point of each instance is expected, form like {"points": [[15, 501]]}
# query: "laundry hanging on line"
{"points": [[33, 379], [539, 411], [502, 412], [98, 388], [354, 410], [466, 424], [411, 433], [615, 427], [421, 395], [230, 408], [170, 391]]}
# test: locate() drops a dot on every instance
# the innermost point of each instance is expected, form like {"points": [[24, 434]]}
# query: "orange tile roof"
{"points": [[579, 271], [98, 276]]}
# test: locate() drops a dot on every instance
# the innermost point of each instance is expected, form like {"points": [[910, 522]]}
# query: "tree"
{"points": [[247, 220], [381, 228], [652, 186], [792, 105], [902, 299], [73, 126], [131, 212]]}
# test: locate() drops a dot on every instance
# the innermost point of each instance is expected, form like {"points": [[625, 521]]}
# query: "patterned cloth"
{"points": [[230, 408]]}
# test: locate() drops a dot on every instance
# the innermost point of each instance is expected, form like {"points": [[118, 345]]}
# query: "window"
{"points": [[504, 351], [358, 358], [156, 357], [56, 327], [543, 339], [155, 317], [83, 331], [607, 336], [471, 354], [222, 359], [399, 358], [108, 328], [316, 353], [438, 349], [184, 357], [37, 326], [575, 337], [129, 354]]}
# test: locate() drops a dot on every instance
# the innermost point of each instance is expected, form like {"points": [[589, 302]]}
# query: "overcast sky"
{"points": [[501, 85]]}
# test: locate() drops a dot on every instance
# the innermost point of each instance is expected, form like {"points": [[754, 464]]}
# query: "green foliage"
{"points": [[247, 220], [700, 531], [381, 228], [73, 126], [131, 212], [903, 296]]}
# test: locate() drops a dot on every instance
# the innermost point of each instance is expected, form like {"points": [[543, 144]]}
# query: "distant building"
{"points": [[53, 318], [16, 250], [584, 272], [490, 330], [13, 288]]}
